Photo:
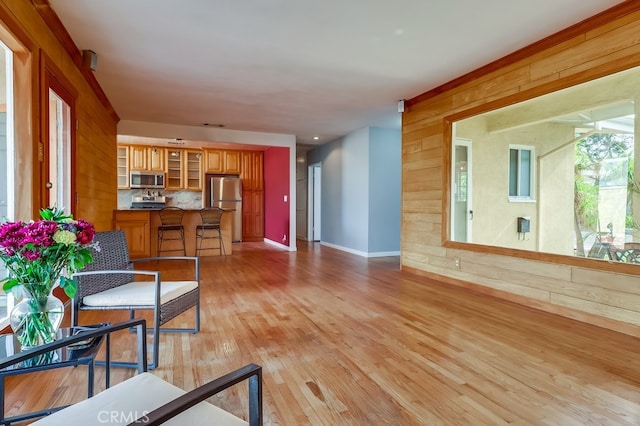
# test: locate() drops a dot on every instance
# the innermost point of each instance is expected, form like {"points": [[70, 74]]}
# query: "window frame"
{"points": [[532, 174]]}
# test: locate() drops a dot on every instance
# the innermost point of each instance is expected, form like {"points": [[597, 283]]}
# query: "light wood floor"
{"points": [[349, 341]]}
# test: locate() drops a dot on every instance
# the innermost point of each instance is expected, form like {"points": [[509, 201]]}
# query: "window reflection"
{"points": [[567, 161]]}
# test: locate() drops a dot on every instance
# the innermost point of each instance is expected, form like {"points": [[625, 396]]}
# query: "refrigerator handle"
{"points": [[211, 182]]}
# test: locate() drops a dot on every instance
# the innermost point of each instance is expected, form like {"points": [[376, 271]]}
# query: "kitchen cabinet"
{"points": [[184, 169], [214, 161], [137, 157], [174, 169], [223, 161], [252, 215], [156, 159], [232, 162], [252, 195], [145, 158], [136, 226], [252, 171], [193, 170], [123, 167]]}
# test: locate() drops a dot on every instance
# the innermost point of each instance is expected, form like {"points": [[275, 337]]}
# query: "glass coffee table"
{"points": [[77, 352]]}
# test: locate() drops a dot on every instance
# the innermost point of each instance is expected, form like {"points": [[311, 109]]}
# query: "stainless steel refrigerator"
{"points": [[225, 192]]}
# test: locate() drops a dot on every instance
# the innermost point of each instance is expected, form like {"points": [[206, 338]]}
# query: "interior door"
{"points": [[314, 208], [56, 151], [59, 155], [462, 211]]}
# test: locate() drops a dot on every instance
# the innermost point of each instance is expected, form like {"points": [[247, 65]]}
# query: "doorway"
{"points": [[56, 152], [315, 205], [59, 180], [462, 211]]}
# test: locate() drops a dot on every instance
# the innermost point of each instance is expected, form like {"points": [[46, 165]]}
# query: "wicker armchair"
{"points": [[108, 284]]}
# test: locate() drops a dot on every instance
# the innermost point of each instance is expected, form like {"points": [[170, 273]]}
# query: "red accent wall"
{"points": [[276, 186]]}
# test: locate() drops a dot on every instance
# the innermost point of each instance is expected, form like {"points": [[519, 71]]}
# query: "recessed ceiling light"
{"points": [[315, 138]]}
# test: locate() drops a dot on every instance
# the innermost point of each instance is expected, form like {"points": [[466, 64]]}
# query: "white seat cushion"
{"points": [[140, 293], [132, 399]]}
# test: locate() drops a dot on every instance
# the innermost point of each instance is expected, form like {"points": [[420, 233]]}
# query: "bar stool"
{"points": [[171, 228], [210, 222]]}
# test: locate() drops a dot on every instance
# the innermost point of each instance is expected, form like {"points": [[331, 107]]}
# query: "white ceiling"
{"points": [[300, 67]]}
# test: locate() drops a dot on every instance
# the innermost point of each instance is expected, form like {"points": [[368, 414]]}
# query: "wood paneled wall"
{"points": [[596, 292], [34, 25]]}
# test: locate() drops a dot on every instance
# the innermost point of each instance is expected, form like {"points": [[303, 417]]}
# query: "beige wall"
{"points": [[589, 290], [495, 216], [25, 29]]}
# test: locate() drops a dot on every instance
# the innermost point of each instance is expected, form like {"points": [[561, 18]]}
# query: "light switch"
{"points": [[285, 198]]}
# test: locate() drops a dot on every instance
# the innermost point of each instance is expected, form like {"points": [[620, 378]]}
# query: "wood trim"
{"points": [[26, 44], [54, 23], [447, 159], [560, 259], [562, 311], [602, 18]]}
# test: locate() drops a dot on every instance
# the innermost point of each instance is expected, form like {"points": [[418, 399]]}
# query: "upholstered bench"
{"points": [[148, 400]]}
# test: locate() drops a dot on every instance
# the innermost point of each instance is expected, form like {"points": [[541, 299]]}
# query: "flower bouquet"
{"points": [[38, 255]]}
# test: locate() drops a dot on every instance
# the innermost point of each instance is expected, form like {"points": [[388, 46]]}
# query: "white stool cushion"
{"points": [[132, 399], [140, 293]]}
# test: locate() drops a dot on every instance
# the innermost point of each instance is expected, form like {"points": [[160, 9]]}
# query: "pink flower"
{"points": [[11, 235], [86, 231], [40, 251], [40, 233], [32, 254]]}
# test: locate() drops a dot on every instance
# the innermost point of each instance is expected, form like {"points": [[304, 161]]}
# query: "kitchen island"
{"points": [[141, 229]]}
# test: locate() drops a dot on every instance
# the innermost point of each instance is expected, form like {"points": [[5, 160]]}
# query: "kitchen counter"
{"points": [[141, 227]]}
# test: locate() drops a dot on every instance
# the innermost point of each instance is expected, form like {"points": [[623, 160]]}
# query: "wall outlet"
{"points": [[284, 237], [456, 262]]}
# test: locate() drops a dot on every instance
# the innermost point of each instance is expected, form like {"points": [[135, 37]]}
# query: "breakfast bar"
{"points": [[141, 229]]}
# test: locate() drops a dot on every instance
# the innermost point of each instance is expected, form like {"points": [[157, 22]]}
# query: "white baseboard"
{"points": [[282, 246], [361, 253]]}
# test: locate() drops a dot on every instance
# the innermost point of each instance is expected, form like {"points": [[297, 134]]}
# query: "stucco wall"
{"points": [[495, 216]]}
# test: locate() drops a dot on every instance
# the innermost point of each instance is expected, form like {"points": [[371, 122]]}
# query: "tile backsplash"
{"points": [[182, 199]]}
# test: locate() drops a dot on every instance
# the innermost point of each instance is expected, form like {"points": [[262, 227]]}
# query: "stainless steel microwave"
{"points": [[146, 180]]}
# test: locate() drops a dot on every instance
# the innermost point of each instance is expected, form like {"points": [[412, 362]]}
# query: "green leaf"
{"points": [[46, 214], [8, 284], [69, 286]]}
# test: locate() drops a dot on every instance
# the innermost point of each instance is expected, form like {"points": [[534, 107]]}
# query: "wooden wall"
{"points": [[592, 291], [36, 30]]}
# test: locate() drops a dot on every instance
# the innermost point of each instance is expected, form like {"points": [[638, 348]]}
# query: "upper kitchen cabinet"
{"points": [[184, 169], [138, 157], [222, 161], [123, 166], [146, 158], [232, 162], [193, 170], [156, 159], [214, 161], [252, 171], [174, 169]]}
